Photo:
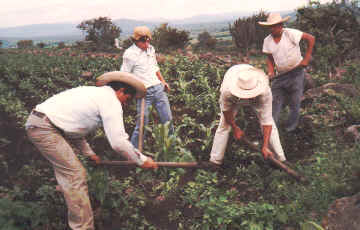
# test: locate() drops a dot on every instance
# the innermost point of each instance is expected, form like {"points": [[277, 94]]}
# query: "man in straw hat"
{"points": [[66, 118], [244, 85], [283, 51], [140, 59]]}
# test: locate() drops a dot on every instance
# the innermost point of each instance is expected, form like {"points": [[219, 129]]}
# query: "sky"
{"points": [[24, 12]]}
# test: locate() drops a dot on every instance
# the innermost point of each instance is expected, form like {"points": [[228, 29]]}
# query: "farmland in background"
{"points": [[246, 194]]}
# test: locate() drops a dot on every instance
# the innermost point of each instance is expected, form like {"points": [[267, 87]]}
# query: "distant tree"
{"points": [[166, 37], [23, 44], [61, 45], [126, 43], [100, 31], [247, 33], [1, 43], [41, 45], [206, 40]]}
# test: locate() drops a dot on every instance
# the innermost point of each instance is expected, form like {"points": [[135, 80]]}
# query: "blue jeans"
{"points": [[155, 95], [290, 87]]}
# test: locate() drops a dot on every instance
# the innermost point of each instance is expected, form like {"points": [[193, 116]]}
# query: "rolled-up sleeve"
{"points": [[264, 108], [112, 117]]}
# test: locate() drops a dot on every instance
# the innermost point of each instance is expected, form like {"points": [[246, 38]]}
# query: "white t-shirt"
{"points": [[262, 104], [286, 53], [142, 64], [80, 110]]}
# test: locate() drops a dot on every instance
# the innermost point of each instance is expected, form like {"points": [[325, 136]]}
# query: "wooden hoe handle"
{"points": [[276, 162], [160, 164]]}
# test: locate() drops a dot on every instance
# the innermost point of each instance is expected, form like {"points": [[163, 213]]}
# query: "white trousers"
{"points": [[222, 136]]}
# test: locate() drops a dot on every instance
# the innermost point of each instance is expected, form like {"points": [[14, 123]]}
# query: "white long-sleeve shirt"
{"points": [[80, 110], [142, 64]]}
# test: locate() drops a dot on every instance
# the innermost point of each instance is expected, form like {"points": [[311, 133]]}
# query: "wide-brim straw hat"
{"points": [[248, 83], [273, 19], [141, 31], [125, 77]]}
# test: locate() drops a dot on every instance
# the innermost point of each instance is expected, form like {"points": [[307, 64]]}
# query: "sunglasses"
{"points": [[144, 39]]}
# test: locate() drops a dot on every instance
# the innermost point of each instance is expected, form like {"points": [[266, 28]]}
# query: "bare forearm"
{"points": [[229, 118], [270, 65], [267, 132], [160, 77], [311, 42]]}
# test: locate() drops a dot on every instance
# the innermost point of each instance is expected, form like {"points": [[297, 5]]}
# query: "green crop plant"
{"points": [[169, 146]]}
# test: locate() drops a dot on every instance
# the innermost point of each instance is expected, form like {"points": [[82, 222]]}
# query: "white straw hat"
{"points": [[125, 77], [273, 19], [248, 83]]}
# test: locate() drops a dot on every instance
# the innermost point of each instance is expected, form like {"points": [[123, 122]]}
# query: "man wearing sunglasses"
{"points": [[140, 59]]}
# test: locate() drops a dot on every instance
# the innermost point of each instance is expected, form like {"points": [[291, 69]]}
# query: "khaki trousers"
{"points": [[69, 172], [222, 136]]}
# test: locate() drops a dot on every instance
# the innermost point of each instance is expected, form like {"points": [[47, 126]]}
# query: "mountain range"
{"points": [[68, 31]]}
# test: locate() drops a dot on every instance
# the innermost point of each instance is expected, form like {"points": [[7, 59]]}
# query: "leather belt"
{"points": [[43, 116], [297, 68]]}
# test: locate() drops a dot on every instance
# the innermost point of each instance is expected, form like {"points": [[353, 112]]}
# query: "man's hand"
{"points": [[166, 87], [271, 75], [100, 83], [95, 158], [267, 153], [149, 163], [238, 133], [304, 62]]}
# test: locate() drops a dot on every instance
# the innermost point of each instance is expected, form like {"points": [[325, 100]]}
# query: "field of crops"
{"points": [[246, 194]]}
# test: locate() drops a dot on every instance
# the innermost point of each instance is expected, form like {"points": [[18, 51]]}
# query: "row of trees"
{"points": [[336, 27], [25, 44]]}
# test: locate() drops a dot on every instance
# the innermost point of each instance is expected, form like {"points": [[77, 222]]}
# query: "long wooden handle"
{"points": [[288, 170], [160, 164], [276, 162], [141, 128]]}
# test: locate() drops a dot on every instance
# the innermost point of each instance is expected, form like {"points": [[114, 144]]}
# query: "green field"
{"points": [[247, 194]]}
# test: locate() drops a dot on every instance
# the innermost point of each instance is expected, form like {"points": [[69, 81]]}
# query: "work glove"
{"points": [[95, 158], [149, 163]]}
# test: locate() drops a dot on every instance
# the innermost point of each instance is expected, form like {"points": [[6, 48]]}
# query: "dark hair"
{"points": [[116, 85]]}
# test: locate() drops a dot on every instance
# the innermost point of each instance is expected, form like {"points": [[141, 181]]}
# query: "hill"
{"points": [[69, 32]]}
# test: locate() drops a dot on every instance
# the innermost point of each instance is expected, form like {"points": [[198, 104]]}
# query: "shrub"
{"points": [[246, 33], [41, 45], [126, 43], [61, 45], [100, 31], [23, 44], [166, 37], [336, 29], [206, 40]]}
